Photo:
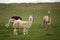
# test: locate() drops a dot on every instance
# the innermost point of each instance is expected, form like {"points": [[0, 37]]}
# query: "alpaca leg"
{"points": [[46, 24], [15, 31], [24, 31], [43, 25], [49, 25]]}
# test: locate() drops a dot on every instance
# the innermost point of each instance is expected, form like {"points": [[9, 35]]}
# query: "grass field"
{"points": [[36, 32]]}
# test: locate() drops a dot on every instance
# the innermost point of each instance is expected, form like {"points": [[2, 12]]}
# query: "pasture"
{"points": [[37, 31]]}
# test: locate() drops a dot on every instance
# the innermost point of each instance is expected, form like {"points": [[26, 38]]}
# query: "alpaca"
{"points": [[22, 24], [47, 20], [12, 19]]}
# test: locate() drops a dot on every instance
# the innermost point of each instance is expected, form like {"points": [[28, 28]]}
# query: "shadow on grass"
{"points": [[48, 34], [6, 35]]}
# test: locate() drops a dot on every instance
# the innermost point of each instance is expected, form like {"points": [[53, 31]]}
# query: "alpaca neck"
{"points": [[11, 21], [30, 21], [49, 15], [8, 24]]}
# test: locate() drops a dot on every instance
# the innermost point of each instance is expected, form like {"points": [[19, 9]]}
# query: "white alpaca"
{"points": [[47, 20], [12, 19], [22, 24]]}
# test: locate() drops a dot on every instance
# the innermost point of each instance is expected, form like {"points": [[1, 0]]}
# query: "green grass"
{"points": [[36, 32]]}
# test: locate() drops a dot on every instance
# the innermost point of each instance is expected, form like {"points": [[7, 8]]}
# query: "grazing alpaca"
{"points": [[22, 24], [47, 20], [12, 19]]}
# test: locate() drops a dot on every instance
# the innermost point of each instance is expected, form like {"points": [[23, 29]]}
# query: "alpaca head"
{"points": [[31, 18], [7, 25]]}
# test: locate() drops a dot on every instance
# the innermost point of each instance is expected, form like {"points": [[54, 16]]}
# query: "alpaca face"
{"points": [[7, 25], [31, 18]]}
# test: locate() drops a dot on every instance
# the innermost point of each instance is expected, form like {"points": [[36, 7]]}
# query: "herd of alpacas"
{"points": [[17, 22]]}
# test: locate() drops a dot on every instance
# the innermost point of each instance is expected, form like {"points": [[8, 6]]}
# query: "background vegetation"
{"points": [[37, 31]]}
